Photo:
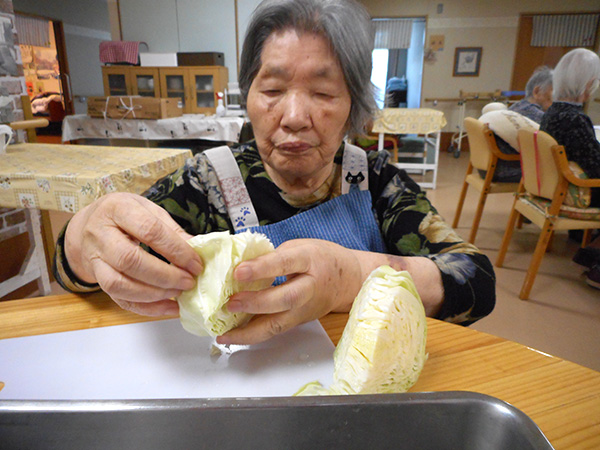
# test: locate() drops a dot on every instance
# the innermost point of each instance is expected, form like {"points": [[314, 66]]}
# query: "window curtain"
{"points": [[32, 31], [392, 33], [564, 30]]}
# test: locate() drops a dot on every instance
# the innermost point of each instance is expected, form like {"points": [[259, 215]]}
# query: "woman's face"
{"points": [[299, 105], [542, 97]]}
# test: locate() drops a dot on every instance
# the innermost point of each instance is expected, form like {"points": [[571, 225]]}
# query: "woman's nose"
{"points": [[296, 112]]}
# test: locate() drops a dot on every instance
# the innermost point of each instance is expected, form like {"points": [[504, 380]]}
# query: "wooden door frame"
{"points": [[63, 64], [61, 56]]}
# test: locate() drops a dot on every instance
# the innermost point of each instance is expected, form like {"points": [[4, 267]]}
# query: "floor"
{"points": [[562, 316]]}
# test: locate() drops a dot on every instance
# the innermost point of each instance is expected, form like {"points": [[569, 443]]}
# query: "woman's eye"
{"points": [[272, 92], [324, 95]]}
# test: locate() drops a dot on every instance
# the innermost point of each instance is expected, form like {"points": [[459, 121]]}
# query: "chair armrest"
{"points": [[28, 124], [558, 151], [489, 135], [506, 157]]}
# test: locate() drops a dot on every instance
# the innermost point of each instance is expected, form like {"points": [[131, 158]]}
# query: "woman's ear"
{"points": [[590, 87]]}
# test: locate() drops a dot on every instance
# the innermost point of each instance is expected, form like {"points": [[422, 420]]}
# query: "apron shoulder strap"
{"points": [[237, 200], [355, 168]]}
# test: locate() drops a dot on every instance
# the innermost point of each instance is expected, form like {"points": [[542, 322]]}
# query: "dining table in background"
{"points": [[66, 178], [561, 397], [425, 122], [188, 126]]}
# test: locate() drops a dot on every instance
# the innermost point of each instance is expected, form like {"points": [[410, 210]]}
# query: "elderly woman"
{"points": [[333, 212], [538, 95], [576, 77]]}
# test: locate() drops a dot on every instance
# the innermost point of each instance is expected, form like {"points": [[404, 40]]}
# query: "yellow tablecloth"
{"points": [[69, 177], [409, 121]]}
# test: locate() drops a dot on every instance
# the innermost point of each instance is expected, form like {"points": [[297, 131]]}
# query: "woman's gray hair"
{"points": [[573, 72], [541, 77], [344, 23]]}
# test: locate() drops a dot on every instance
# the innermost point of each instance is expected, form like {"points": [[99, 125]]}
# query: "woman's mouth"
{"points": [[295, 147]]}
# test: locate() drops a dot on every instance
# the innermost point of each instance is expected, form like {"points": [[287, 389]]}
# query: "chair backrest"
{"points": [[540, 172], [480, 140], [28, 115]]}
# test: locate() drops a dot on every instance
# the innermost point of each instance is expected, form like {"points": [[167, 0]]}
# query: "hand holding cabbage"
{"points": [[382, 348], [235, 284]]}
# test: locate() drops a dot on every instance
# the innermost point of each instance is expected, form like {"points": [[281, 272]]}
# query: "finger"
{"points": [[118, 285], [288, 296], [260, 329], [151, 225], [129, 259], [160, 308], [283, 261]]}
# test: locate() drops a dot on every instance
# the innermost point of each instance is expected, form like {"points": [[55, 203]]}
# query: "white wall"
{"points": [[153, 22], [86, 24], [183, 26]]}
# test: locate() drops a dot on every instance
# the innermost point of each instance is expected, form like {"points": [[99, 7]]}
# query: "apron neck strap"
{"points": [[237, 200], [355, 168]]}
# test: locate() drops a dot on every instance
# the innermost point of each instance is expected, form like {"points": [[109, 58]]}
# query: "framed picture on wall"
{"points": [[467, 61]]}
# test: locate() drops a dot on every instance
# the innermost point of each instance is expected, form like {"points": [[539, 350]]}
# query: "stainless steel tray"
{"points": [[444, 420]]}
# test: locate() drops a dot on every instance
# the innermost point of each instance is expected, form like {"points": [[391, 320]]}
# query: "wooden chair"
{"points": [[388, 139], [31, 122], [483, 155], [540, 198]]}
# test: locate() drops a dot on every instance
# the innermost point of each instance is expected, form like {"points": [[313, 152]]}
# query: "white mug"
{"points": [[5, 137]]}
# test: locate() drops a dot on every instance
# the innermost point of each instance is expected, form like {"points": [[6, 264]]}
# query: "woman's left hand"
{"points": [[321, 277]]}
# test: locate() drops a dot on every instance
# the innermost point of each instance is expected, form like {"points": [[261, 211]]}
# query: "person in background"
{"points": [[396, 92], [538, 95], [576, 77], [334, 212]]}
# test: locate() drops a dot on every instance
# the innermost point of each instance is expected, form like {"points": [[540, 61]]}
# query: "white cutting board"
{"points": [[159, 360]]}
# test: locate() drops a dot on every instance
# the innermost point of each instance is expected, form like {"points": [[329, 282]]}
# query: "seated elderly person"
{"points": [[576, 77], [538, 95], [338, 212]]}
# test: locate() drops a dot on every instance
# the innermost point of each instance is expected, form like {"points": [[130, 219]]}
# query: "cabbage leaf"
{"points": [[203, 309], [382, 348]]}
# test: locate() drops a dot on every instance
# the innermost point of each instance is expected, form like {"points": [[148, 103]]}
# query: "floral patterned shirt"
{"points": [[409, 224]]}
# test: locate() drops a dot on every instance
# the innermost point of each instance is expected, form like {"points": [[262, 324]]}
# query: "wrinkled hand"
{"points": [[321, 277], [102, 246]]}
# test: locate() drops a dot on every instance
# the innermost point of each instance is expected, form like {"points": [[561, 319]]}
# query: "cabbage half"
{"points": [[202, 309], [382, 349]]}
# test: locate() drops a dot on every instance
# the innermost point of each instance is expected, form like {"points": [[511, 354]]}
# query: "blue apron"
{"points": [[347, 220]]}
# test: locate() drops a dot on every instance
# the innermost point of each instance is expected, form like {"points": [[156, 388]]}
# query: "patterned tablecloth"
{"points": [[70, 177], [188, 126], [409, 121]]}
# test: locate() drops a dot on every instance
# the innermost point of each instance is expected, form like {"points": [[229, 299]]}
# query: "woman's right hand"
{"points": [[102, 246]]}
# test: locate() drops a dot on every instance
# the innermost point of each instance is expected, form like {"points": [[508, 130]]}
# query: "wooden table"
{"points": [[561, 397], [67, 178]]}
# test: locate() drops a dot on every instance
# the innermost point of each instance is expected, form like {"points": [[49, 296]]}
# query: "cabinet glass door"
{"points": [[117, 84], [205, 91], [146, 85], [175, 87]]}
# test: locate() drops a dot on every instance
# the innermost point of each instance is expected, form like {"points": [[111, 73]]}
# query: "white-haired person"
{"points": [[538, 95], [334, 212], [576, 77]]}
